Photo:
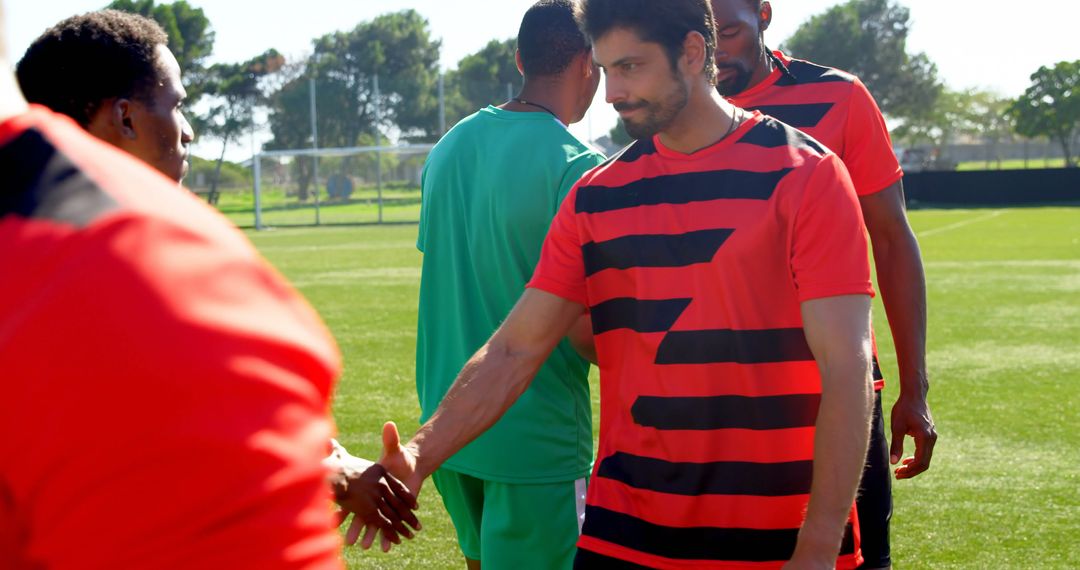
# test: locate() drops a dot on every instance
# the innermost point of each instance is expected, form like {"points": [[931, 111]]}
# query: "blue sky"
{"points": [[975, 43]]}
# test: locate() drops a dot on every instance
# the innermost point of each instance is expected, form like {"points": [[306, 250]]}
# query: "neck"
{"points": [[763, 69], [544, 97], [706, 120], [11, 99]]}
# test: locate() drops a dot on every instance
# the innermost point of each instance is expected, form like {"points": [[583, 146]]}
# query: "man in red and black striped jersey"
{"points": [[837, 109], [165, 393], [724, 263]]}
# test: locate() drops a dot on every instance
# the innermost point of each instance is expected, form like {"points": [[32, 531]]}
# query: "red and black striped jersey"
{"points": [[149, 355], [835, 108], [694, 268]]}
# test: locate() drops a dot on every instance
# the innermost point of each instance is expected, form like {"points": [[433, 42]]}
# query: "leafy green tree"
{"points": [[1051, 107], [236, 90], [869, 38], [191, 38], [481, 79]]}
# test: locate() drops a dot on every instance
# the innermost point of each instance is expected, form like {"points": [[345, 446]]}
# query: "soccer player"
{"points": [[490, 189], [835, 108], [165, 392], [723, 260], [113, 73]]}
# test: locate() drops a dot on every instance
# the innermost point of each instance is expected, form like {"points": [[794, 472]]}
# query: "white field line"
{"points": [[961, 224]]}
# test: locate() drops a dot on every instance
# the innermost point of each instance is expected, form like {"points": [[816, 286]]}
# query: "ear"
{"points": [[517, 60], [765, 16], [122, 117], [694, 53], [585, 61]]}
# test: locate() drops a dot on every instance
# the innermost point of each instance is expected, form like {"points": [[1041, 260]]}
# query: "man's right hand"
{"points": [[400, 460]]}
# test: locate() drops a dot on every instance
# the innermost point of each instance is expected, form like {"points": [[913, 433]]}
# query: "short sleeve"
{"points": [[868, 153], [829, 256], [561, 270], [421, 236]]}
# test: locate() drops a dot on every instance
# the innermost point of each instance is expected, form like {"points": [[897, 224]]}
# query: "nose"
{"points": [[187, 134], [614, 91]]}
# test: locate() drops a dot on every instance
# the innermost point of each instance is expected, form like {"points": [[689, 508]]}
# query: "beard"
{"points": [[737, 83], [658, 116]]}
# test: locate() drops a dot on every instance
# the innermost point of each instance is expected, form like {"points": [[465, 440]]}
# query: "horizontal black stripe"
{"points": [[799, 116], [679, 250], [637, 315], [810, 73], [589, 560], [720, 478], [771, 133], [697, 543], [734, 346], [40, 182], [680, 189], [727, 412]]}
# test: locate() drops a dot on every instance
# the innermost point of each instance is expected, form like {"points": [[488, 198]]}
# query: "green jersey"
{"points": [[491, 187]]}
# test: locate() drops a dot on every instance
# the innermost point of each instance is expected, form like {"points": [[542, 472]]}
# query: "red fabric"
{"points": [[853, 128], [165, 391], [805, 241]]}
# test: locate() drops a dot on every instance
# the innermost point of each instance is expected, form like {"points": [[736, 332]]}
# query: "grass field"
{"points": [[1012, 164], [1004, 355]]}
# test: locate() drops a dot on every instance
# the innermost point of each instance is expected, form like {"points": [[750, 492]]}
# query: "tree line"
{"points": [[382, 76]]}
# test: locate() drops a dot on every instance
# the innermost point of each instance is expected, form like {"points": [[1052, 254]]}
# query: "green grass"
{"points": [[1012, 164], [1004, 296]]}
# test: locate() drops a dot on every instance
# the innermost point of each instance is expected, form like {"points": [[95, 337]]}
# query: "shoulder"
{"points": [[771, 133], [807, 73]]}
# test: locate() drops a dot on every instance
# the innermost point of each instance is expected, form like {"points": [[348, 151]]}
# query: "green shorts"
{"points": [[510, 525]]}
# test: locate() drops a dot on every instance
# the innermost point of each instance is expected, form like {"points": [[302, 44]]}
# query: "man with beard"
{"points": [[835, 108], [112, 72], [723, 260]]}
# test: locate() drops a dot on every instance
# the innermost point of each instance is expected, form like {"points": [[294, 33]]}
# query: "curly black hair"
{"points": [[549, 38], [82, 61]]}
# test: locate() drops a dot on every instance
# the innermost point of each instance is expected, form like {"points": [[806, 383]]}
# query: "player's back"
{"points": [[165, 391], [491, 187]]}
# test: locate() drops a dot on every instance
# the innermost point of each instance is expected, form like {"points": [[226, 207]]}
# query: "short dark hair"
{"points": [[549, 38], [665, 22], [82, 61]]}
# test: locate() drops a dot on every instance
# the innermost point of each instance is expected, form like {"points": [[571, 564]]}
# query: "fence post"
{"points": [[256, 163]]}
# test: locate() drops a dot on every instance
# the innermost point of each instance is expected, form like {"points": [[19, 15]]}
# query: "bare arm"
{"points": [[903, 293], [487, 386], [581, 338], [838, 332]]}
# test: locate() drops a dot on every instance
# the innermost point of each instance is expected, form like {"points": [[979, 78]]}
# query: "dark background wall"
{"points": [[994, 187]]}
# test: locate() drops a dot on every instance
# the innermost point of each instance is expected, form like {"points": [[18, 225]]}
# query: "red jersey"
{"points": [[165, 392], [835, 108], [694, 268]]}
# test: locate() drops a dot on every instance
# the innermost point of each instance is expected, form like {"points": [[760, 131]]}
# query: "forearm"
{"points": [[487, 386], [902, 283], [840, 443]]}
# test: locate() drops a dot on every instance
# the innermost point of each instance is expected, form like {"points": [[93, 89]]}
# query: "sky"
{"points": [[975, 43]]}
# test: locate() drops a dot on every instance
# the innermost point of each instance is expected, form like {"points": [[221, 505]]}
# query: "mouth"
{"points": [[725, 74]]}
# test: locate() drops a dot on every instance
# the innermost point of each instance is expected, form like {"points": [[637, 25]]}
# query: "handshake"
{"points": [[379, 501]]}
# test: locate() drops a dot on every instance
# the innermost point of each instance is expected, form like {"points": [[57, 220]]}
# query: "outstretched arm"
{"points": [[903, 293], [487, 386], [838, 332]]}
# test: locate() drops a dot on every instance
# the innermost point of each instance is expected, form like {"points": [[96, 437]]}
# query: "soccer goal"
{"points": [[332, 186]]}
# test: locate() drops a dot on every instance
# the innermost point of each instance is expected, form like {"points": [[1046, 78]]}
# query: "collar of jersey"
{"points": [[522, 115], [719, 146]]}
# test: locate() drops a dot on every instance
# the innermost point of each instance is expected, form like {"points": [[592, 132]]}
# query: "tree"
{"points": [[481, 79], [191, 38], [1051, 107], [869, 39], [236, 90]]}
